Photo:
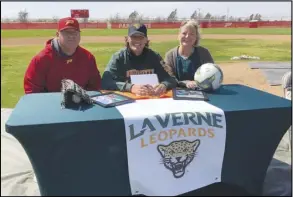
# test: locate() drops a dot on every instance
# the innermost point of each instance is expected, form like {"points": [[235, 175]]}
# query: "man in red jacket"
{"points": [[62, 58]]}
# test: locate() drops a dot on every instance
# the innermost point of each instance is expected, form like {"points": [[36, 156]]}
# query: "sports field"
{"points": [[19, 46], [122, 32]]}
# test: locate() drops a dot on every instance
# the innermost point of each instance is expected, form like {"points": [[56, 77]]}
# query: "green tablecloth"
{"points": [[83, 152]]}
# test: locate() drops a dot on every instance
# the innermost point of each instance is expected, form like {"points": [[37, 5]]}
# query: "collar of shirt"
{"points": [[57, 48], [184, 57]]}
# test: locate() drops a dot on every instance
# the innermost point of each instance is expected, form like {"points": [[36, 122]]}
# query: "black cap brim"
{"points": [[138, 33]]}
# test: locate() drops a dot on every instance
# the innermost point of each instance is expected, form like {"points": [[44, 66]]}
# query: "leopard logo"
{"points": [[177, 155]]}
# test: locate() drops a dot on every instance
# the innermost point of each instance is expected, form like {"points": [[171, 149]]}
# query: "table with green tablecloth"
{"points": [[83, 151]]}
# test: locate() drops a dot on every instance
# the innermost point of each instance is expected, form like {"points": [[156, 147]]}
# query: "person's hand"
{"points": [[160, 89], [191, 85], [142, 90]]}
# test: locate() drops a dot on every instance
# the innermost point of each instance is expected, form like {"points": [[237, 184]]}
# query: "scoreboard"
{"points": [[80, 13]]}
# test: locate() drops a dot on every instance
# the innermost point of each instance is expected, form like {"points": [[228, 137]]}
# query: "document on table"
{"points": [[144, 79]]}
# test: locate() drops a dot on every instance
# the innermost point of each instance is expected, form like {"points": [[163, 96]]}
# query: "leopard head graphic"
{"points": [[177, 155]]}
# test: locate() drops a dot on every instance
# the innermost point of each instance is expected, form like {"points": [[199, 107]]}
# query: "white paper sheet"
{"points": [[145, 79]]}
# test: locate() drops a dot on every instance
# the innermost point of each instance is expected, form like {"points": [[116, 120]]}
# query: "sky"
{"points": [[103, 10]]}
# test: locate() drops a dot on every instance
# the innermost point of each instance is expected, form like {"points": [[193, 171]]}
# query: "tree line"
{"points": [[173, 16], [23, 16]]}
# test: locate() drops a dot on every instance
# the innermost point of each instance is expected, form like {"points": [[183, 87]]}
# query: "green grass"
{"points": [[122, 32], [257, 31], [14, 60]]}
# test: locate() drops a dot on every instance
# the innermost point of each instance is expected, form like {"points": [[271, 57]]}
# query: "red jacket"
{"points": [[48, 68]]}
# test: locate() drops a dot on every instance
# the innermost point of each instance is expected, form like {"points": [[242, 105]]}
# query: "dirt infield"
{"points": [[153, 38], [241, 73]]}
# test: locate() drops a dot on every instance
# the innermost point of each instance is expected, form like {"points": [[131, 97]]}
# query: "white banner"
{"points": [[173, 146]]}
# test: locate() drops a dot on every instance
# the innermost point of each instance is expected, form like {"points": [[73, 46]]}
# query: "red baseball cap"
{"points": [[68, 22]]}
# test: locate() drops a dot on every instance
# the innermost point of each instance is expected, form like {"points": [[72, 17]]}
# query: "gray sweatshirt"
{"points": [[184, 69]]}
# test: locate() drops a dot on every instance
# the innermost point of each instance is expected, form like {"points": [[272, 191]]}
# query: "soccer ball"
{"points": [[208, 77]]}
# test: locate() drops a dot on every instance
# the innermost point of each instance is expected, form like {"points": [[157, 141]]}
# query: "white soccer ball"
{"points": [[209, 77]]}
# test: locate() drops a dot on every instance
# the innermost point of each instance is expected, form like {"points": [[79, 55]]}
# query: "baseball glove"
{"points": [[73, 95]]}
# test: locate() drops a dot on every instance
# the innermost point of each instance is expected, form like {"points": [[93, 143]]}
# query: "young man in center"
{"points": [[136, 58]]}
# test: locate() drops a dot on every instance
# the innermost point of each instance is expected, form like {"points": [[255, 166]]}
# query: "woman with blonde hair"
{"points": [[183, 60]]}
